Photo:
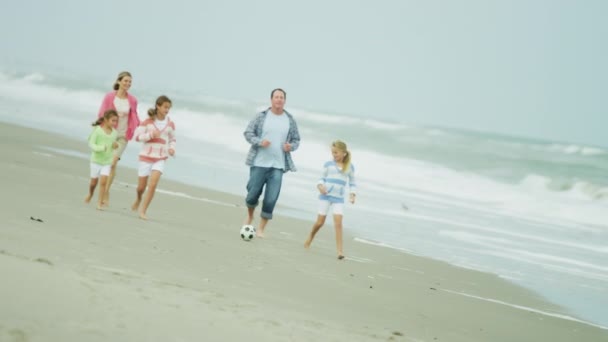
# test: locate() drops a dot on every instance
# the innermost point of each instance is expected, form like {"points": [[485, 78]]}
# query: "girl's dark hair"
{"points": [[107, 115], [120, 77], [278, 89], [159, 102]]}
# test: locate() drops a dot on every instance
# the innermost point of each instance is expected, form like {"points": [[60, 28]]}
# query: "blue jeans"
{"points": [[258, 177]]}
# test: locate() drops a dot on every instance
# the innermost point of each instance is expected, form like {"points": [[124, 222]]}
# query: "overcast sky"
{"points": [[528, 68]]}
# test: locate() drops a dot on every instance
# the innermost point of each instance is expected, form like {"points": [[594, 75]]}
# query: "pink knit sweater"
{"points": [[108, 103], [155, 149]]}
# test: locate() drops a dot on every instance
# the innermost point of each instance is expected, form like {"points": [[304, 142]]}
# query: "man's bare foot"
{"points": [[135, 205], [87, 199], [259, 233], [100, 206], [142, 215], [307, 244], [248, 220]]}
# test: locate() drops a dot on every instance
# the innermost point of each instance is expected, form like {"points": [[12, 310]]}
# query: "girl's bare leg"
{"points": [[103, 183], [315, 228], [106, 195], [338, 227], [154, 178], [92, 186], [142, 182]]}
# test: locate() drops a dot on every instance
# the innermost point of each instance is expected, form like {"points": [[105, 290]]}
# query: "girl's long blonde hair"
{"points": [[341, 146]]}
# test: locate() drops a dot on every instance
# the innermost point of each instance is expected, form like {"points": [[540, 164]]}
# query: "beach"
{"points": [[74, 273]]}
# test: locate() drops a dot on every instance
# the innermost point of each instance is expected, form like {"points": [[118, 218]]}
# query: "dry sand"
{"points": [[185, 275]]}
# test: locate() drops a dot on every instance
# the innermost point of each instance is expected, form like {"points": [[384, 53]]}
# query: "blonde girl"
{"points": [[336, 183]]}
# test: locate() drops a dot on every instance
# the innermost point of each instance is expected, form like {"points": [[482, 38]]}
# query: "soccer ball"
{"points": [[247, 232]]}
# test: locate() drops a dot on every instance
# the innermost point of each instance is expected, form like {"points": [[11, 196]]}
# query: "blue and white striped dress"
{"points": [[336, 182]]}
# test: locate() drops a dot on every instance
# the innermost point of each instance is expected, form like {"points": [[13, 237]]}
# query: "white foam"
{"points": [[48, 155], [543, 265], [577, 189], [322, 118], [359, 259], [435, 132], [382, 244], [592, 151], [66, 152], [376, 170], [211, 128], [526, 308], [509, 248], [29, 89], [575, 149], [34, 77], [504, 232], [383, 126], [432, 192]]}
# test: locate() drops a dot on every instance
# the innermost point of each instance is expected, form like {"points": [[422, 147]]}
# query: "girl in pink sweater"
{"points": [[125, 105], [158, 136]]}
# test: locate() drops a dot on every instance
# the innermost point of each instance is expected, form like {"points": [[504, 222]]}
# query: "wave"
{"points": [[212, 122], [523, 145], [363, 123], [500, 218], [574, 188], [566, 149], [572, 149], [34, 77]]}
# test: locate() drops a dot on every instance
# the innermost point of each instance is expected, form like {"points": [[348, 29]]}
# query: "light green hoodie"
{"points": [[101, 144]]}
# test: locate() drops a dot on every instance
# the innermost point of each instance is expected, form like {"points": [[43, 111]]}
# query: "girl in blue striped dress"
{"points": [[337, 182]]}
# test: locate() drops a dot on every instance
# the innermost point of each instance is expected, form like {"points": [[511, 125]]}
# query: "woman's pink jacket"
{"points": [[108, 103]]}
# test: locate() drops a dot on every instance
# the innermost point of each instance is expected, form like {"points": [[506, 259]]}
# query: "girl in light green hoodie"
{"points": [[102, 142]]}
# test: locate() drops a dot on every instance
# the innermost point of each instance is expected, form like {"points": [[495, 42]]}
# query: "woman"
{"points": [[125, 105]]}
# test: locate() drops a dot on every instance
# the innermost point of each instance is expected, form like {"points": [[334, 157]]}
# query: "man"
{"points": [[273, 135]]}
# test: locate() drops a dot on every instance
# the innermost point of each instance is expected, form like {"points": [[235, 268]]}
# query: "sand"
{"points": [[80, 274]]}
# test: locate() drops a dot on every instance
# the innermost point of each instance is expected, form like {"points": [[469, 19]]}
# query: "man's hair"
{"points": [[278, 89]]}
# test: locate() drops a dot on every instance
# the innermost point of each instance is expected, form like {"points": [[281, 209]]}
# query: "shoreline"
{"points": [[189, 261]]}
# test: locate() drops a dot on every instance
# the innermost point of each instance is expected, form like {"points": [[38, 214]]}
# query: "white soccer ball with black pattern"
{"points": [[247, 232]]}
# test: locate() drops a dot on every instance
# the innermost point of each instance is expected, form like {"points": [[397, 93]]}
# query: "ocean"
{"points": [[533, 212]]}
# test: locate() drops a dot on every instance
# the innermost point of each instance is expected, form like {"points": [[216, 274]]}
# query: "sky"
{"points": [[531, 68]]}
